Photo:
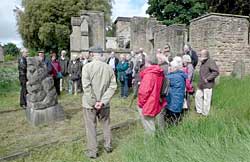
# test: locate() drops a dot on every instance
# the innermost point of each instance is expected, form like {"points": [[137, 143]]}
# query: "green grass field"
{"points": [[223, 136]]}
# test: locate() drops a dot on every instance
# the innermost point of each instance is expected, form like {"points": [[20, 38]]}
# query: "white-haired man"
{"points": [[99, 85], [189, 51], [64, 63], [208, 72]]}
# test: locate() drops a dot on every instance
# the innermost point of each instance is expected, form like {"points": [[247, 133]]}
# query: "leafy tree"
{"points": [[11, 49], [46, 24], [239, 7], [178, 11]]}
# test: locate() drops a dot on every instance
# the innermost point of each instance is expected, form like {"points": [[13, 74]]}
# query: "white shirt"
{"points": [[112, 62]]}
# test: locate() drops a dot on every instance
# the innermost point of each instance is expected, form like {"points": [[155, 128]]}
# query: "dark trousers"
{"points": [[23, 92], [124, 88], [172, 118], [57, 85]]}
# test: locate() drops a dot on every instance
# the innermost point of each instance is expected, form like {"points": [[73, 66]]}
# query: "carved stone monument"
{"points": [[42, 104]]}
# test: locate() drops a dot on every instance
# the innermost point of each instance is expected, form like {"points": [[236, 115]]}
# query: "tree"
{"points": [[239, 7], [182, 11], [178, 11], [11, 49], [46, 24]]}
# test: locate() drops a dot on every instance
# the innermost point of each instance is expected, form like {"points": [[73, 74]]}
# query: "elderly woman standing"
{"points": [[176, 94], [122, 77], [56, 72], [74, 74]]}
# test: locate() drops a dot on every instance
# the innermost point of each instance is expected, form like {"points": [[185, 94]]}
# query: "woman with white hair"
{"points": [[176, 94], [189, 70]]}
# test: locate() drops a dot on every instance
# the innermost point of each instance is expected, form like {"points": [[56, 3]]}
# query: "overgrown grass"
{"points": [[223, 136]]}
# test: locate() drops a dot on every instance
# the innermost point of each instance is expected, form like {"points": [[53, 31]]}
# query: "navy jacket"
{"points": [[175, 97]]}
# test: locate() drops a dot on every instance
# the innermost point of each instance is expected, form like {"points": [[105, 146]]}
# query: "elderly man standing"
{"points": [[99, 85], [64, 63], [113, 62], [208, 72], [22, 68], [189, 51]]}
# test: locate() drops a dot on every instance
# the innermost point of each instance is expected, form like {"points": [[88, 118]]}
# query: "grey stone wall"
{"points": [[141, 33], [122, 32], [174, 35], [111, 43], [87, 30], [225, 36]]}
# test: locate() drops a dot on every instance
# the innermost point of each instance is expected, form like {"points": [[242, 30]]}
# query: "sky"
{"points": [[8, 28]]}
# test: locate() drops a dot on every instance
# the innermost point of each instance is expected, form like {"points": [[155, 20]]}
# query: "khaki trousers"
{"points": [[203, 101], [147, 122], [90, 118]]}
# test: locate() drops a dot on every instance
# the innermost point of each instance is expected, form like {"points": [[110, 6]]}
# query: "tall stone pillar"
{"points": [[42, 104], [75, 37]]}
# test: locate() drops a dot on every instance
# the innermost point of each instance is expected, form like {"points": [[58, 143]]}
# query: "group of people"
{"points": [[162, 83]]}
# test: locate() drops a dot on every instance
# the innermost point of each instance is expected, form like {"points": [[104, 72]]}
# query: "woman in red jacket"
{"points": [[56, 68], [150, 102]]}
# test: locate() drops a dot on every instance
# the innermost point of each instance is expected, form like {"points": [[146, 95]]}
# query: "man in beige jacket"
{"points": [[99, 85]]}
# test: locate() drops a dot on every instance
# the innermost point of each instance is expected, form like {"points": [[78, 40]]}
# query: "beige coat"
{"points": [[98, 83]]}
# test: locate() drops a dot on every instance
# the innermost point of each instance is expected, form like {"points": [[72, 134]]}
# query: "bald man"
{"points": [[208, 72]]}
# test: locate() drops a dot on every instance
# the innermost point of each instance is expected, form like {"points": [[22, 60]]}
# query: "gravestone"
{"points": [[42, 104], [1, 54], [238, 69]]}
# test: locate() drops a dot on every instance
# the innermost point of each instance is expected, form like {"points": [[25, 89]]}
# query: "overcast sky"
{"points": [[8, 28]]}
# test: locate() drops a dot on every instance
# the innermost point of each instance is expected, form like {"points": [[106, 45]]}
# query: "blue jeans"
{"points": [[124, 88]]}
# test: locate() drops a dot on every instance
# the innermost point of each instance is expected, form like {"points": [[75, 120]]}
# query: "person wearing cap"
{"points": [[208, 72], [189, 51], [74, 70], [64, 63], [99, 85], [176, 94], [149, 93], [45, 61], [22, 68]]}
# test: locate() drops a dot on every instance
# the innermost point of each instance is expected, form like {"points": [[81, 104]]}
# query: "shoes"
{"points": [[91, 155], [108, 149]]}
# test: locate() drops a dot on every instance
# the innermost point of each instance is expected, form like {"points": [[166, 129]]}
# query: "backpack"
{"points": [[165, 87]]}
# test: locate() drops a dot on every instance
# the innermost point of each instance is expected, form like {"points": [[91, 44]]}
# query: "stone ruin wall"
{"points": [[123, 33], [225, 36], [174, 35]]}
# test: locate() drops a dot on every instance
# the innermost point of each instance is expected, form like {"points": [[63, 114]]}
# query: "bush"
{"points": [[10, 58]]}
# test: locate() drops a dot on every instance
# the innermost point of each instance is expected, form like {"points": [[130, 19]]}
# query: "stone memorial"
{"points": [[42, 104]]}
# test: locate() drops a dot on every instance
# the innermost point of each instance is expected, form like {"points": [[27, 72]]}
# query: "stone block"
{"points": [[45, 116]]}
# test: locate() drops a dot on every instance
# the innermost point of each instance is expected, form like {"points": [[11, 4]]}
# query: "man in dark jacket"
{"points": [[208, 72], [64, 63], [189, 51], [22, 67]]}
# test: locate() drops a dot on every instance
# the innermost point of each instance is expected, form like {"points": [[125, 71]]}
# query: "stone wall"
{"points": [[174, 35], [111, 43], [141, 33], [87, 30], [225, 36], [122, 25]]}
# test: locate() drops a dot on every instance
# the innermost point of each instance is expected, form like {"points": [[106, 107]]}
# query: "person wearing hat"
{"points": [[99, 85], [74, 71]]}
